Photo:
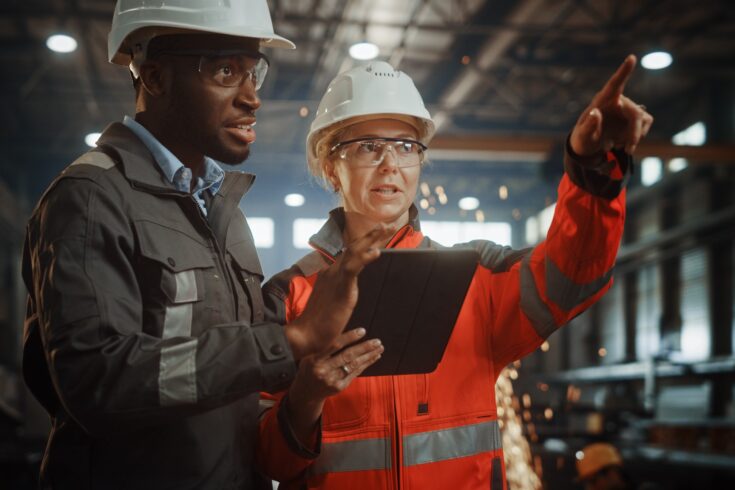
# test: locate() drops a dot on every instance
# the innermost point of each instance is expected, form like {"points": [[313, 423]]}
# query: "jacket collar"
{"points": [[139, 166], [329, 238]]}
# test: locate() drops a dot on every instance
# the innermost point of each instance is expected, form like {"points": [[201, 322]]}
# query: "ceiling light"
{"points": [[61, 43], [694, 135], [677, 164], [469, 203], [294, 200], [91, 139], [364, 51], [656, 60]]}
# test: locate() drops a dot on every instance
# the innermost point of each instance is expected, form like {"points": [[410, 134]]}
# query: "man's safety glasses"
{"points": [[228, 68], [370, 152]]}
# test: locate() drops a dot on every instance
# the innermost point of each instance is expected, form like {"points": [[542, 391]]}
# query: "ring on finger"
{"points": [[345, 369]]}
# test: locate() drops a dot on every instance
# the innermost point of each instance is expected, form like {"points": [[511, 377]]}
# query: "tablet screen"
{"points": [[410, 300]]}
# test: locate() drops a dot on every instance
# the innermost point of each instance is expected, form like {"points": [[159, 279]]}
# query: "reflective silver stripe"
{"points": [[360, 455], [531, 304], [457, 442], [186, 286], [95, 158], [567, 293], [177, 382], [177, 322], [264, 406]]}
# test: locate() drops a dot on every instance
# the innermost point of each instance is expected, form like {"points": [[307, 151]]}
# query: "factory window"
{"points": [[262, 229], [694, 135], [648, 312], [532, 232], [303, 229], [651, 170], [695, 200], [444, 232], [612, 324], [538, 226], [695, 331], [647, 221], [451, 232]]}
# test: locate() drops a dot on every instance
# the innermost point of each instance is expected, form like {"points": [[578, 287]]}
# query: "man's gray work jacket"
{"points": [[144, 338]]}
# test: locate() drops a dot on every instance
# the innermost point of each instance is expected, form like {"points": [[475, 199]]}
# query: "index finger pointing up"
{"points": [[616, 84]]}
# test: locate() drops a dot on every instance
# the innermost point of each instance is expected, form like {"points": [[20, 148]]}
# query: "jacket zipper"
{"points": [[218, 252], [221, 262]]}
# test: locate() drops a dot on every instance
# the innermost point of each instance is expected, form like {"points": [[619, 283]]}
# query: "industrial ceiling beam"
{"points": [[537, 148]]}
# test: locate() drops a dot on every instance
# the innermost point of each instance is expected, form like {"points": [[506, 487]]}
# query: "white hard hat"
{"points": [[242, 18], [371, 91]]}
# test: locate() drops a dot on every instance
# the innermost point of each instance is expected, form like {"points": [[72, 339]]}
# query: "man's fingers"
{"points": [[616, 84], [346, 338], [365, 249]]}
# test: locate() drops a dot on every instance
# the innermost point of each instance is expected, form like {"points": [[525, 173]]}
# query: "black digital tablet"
{"points": [[410, 300]]}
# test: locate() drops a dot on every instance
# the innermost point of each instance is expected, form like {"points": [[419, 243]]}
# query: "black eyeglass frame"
{"points": [[371, 138]]}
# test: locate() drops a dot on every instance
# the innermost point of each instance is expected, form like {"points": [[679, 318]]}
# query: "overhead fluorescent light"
{"points": [[61, 43], [364, 51], [656, 60]]}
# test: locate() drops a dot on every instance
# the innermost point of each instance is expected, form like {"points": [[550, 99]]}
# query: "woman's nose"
{"points": [[388, 161]]}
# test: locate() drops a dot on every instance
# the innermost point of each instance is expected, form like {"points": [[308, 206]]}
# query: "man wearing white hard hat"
{"points": [[145, 338], [368, 142]]}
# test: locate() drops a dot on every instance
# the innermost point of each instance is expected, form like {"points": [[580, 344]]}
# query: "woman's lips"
{"points": [[385, 191]]}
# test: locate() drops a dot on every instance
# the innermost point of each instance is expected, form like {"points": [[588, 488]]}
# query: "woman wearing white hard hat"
{"points": [[368, 142]]}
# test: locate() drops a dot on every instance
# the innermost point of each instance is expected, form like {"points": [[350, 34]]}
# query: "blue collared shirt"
{"points": [[175, 171]]}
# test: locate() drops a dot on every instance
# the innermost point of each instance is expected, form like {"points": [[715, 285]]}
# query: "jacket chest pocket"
{"points": [[350, 408], [175, 271], [249, 276]]}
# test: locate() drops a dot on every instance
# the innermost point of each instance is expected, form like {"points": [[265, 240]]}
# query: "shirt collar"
{"points": [[329, 237], [171, 166]]}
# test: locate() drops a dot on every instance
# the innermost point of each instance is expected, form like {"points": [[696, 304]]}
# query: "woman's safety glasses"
{"points": [[370, 152]]}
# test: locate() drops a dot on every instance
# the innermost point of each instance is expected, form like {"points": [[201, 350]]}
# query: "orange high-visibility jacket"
{"points": [[440, 430]]}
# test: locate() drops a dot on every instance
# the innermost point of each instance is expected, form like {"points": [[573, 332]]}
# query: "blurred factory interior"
{"points": [[650, 369]]}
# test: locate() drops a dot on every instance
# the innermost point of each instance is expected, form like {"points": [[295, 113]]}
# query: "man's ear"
{"points": [[153, 77]]}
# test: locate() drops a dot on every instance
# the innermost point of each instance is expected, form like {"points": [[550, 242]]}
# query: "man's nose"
{"points": [[247, 95]]}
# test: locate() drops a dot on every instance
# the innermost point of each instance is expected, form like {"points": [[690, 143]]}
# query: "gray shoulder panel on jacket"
{"points": [[311, 263], [89, 165], [95, 158], [497, 258]]}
